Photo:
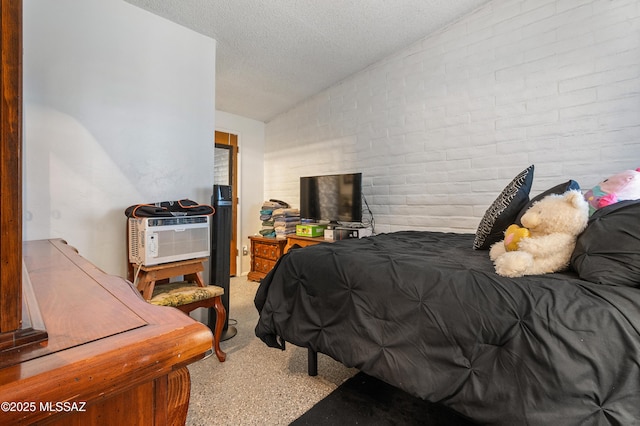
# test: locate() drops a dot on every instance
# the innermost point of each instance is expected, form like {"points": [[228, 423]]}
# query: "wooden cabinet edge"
{"points": [[32, 328], [97, 371]]}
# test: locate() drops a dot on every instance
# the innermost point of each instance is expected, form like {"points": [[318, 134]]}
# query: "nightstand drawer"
{"points": [[267, 251], [263, 265]]}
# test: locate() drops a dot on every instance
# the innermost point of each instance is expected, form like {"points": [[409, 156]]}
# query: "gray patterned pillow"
{"points": [[504, 210]]}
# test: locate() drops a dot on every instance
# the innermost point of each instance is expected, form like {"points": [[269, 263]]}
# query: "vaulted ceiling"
{"points": [[273, 54]]}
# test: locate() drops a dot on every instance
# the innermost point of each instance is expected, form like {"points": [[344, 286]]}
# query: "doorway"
{"points": [[226, 173]]}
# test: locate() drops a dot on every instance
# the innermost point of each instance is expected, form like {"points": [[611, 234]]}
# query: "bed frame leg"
{"points": [[312, 362]]}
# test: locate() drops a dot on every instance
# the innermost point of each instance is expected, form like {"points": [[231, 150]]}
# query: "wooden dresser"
{"points": [[110, 357], [264, 254]]}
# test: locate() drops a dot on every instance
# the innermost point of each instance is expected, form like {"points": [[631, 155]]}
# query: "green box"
{"points": [[310, 230]]}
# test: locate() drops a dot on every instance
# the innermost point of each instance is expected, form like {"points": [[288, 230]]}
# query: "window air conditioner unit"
{"points": [[155, 240]]}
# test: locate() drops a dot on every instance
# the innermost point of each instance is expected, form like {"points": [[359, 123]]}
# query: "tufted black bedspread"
{"points": [[425, 312]]}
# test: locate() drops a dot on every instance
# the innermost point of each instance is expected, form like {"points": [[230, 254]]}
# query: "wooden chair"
{"points": [[187, 295]]}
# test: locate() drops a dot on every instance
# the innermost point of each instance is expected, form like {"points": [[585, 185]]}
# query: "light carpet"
{"points": [[257, 385]]}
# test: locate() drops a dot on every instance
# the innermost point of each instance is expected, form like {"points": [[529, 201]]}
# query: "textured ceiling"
{"points": [[273, 54]]}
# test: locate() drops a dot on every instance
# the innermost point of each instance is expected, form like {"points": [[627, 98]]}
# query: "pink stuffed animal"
{"points": [[619, 187]]}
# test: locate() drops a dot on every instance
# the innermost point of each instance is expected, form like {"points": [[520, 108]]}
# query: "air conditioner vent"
{"points": [[171, 221], [153, 241]]}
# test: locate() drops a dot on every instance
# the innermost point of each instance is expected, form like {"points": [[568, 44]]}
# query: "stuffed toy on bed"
{"points": [[619, 187], [553, 225]]}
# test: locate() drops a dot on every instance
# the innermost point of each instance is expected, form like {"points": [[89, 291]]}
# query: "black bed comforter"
{"points": [[425, 312]]}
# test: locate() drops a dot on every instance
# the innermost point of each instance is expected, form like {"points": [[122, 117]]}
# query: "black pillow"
{"points": [[504, 210], [558, 189], [608, 251]]}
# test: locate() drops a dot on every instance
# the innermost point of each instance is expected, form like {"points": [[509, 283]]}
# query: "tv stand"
{"points": [[303, 241], [265, 252]]}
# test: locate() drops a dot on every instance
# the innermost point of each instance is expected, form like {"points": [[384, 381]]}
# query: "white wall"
{"points": [[251, 177], [439, 128], [119, 110]]}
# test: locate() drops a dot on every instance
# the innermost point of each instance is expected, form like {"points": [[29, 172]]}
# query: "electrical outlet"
{"points": [[245, 250]]}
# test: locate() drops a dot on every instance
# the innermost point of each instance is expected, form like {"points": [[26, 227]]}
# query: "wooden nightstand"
{"points": [[264, 254]]}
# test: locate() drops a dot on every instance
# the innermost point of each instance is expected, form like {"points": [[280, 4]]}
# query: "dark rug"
{"points": [[364, 400]]}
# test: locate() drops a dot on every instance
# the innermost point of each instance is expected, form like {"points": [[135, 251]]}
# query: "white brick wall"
{"points": [[441, 127]]}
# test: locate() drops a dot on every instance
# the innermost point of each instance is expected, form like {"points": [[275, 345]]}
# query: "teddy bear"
{"points": [[554, 224], [619, 187]]}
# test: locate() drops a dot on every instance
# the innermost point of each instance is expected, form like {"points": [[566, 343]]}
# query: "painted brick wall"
{"points": [[441, 127]]}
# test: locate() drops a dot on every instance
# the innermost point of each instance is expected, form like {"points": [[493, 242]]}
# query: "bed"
{"points": [[425, 312]]}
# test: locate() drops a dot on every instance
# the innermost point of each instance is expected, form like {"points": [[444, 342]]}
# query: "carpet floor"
{"points": [[257, 385], [365, 400]]}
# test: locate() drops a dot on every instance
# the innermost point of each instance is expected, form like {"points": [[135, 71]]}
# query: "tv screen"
{"points": [[334, 198]]}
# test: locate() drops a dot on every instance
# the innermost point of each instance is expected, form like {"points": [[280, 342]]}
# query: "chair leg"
{"points": [[221, 316]]}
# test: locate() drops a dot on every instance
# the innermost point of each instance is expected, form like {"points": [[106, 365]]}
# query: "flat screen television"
{"points": [[333, 198]]}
